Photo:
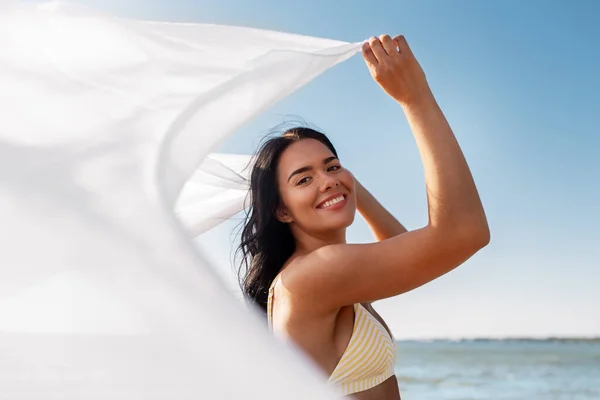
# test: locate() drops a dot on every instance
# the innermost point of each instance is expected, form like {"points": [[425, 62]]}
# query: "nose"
{"points": [[329, 182]]}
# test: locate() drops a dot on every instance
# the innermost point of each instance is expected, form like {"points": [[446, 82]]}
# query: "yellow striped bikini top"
{"points": [[369, 358]]}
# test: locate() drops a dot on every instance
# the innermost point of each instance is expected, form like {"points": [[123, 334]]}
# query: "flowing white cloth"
{"points": [[215, 192], [102, 122]]}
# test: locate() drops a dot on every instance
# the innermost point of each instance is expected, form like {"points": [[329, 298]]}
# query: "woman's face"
{"points": [[317, 193]]}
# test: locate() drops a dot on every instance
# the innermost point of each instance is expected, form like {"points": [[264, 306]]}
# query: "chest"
{"points": [[328, 339]]}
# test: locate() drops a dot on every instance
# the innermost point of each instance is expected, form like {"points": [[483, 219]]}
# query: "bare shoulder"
{"points": [[310, 327], [337, 275], [296, 274]]}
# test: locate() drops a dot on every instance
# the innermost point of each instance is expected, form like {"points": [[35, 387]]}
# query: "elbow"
{"points": [[476, 231], [477, 237], [482, 238], [466, 242], [467, 237]]}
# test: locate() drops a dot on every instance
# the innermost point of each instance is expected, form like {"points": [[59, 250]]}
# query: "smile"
{"points": [[335, 203]]}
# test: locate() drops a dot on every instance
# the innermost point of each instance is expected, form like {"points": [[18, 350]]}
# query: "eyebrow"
{"points": [[304, 169]]}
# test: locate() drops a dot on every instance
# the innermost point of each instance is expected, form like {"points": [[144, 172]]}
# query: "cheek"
{"points": [[347, 179], [299, 201], [306, 199]]}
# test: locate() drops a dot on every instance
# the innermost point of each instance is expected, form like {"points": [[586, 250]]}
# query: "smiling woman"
{"points": [[311, 193], [316, 289], [267, 239]]}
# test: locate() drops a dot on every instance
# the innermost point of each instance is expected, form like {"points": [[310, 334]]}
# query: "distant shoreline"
{"points": [[595, 339]]}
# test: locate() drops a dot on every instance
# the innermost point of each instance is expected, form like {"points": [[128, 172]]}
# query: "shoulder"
{"points": [[296, 308], [301, 278]]}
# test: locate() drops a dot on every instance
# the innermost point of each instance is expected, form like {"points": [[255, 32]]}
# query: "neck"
{"points": [[307, 243]]}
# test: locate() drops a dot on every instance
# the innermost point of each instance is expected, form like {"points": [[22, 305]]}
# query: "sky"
{"points": [[519, 84]]}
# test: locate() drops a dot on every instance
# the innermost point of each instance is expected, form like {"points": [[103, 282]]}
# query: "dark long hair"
{"points": [[267, 243]]}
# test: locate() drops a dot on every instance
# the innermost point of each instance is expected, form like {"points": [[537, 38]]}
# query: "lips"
{"points": [[332, 200]]}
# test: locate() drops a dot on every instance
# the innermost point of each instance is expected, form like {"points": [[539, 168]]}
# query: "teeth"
{"points": [[332, 202]]}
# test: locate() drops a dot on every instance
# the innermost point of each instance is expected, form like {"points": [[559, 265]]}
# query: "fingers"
{"points": [[393, 66], [368, 54], [403, 47], [388, 44], [377, 49]]}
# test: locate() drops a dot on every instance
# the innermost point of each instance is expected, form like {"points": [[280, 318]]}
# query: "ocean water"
{"points": [[499, 369]]}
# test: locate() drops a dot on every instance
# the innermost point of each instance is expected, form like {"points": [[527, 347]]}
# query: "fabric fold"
{"points": [[104, 121]]}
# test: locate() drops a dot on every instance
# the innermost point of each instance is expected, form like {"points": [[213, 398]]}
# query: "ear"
{"points": [[282, 215]]}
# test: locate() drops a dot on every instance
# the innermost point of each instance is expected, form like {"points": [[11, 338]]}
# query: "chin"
{"points": [[340, 221], [350, 219]]}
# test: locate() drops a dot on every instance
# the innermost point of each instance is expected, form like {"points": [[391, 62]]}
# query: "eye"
{"points": [[304, 180], [333, 168]]}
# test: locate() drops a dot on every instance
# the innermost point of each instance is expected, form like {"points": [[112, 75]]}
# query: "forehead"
{"points": [[303, 153]]}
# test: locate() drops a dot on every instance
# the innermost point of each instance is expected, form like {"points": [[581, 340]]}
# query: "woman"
{"points": [[315, 288]]}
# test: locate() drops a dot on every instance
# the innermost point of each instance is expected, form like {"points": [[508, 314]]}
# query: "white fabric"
{"points": [[217, 191], [103, 120]]}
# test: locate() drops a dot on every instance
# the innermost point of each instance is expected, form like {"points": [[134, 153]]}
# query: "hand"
{"points": [[395, 68]]}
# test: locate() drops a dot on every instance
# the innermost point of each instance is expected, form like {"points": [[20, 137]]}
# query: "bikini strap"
{"points": [[270, 299]]}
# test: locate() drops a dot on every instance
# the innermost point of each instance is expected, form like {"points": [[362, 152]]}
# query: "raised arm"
{"points": [[381, 222], [335, 275]]}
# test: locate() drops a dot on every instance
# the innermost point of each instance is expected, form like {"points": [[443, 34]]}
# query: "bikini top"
{"points": [[369, 358]]}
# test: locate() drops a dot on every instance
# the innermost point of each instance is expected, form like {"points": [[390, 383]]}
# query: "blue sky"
{"points": [[519, 84]]}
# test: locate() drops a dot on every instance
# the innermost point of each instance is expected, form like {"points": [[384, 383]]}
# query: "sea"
{"points": [[516, 369]]}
